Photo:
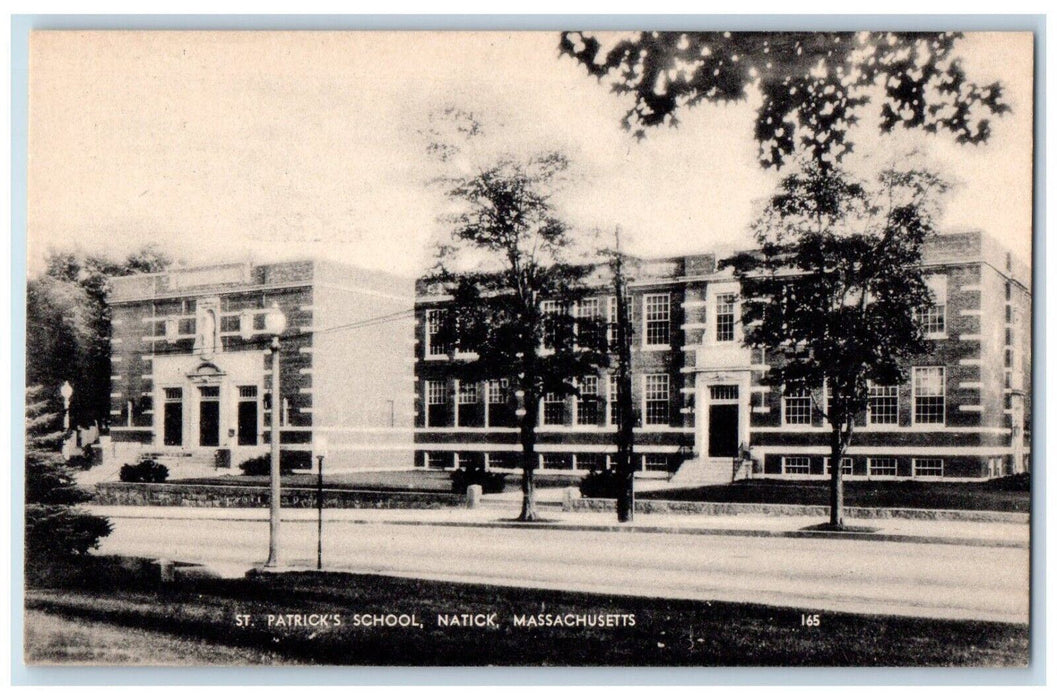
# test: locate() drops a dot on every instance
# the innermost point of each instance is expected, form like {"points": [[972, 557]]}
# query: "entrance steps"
{"points": [[704, 471]]}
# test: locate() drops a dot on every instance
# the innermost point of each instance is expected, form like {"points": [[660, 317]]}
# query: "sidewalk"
{"points": [[501, 513]]}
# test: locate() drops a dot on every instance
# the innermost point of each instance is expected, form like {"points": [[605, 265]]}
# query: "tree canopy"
{"points": [[814, 85]]}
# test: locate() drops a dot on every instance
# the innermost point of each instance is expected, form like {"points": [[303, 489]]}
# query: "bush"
{"points": [[490, 482], [288, 462], [600, 484], [148, 471]]}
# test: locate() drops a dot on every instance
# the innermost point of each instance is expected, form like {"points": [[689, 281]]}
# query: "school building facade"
{"points": [[191, 377], [701, 407]]}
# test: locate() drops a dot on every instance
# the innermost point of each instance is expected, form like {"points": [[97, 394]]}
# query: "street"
{"points": [[899, 578]]}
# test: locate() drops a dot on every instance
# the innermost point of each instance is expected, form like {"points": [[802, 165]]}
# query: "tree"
{"points": [[56, 530], [814, 85], [68, 325], [506, 263], [835, 288]]}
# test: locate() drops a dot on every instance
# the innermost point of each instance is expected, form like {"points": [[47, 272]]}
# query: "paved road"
{"points": [[929, 580]]}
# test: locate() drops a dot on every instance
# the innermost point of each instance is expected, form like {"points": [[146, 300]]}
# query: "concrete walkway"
{"points": [[501, 513]]}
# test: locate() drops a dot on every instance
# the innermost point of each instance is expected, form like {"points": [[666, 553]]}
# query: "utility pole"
{"points": [[624, 409]]}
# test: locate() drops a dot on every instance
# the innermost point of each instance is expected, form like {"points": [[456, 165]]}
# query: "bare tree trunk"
{"points": [[528, 461], [625, 414], [840, 438]]}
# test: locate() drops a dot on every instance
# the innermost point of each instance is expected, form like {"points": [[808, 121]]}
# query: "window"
{"points": [[590, 323], [549, 311], [612, 389], [725, 317], [230, 324], [247, 415], [471, 461], [723, 392], [928, 466], [471, 413], [656, 399], [553, 409], [655, 463], [933, 320], [498, 391], [552, 460], [587, 402], [611, 322], [658, 316], [185, 326], [882, 406], [434, 321], [591, 462], [438, 413], [881, 466], [440, 460], [929, 391], [796, 465], [796, 407], [845, 465]]}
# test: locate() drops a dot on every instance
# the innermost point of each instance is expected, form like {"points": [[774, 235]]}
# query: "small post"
{"points": [[473, 495]]}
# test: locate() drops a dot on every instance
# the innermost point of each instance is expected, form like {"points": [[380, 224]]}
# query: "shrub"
{"points": [[490, 482], [147, 471], [288, 462], [603, 483]]}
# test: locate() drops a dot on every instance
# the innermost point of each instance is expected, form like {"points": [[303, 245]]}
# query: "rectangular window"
{"points": [[611, 399], [928, 466], [656, 394], [796, 407], [467, 393], [611, 322], [553, 409], [933, 320], [471, 413], [591, 462], [845, 465], [723, 392], [434, 321], [230, 324], [655, 462], [587, 402], [883, 405], [658, 317], [441, 460], [881, 466], [438, 412], [590, 324], [247, 415], [186, 326], [796, 465], [500, 410], [549, 311], [497, 391], [725, 304], [552, 460], [929, 392]]}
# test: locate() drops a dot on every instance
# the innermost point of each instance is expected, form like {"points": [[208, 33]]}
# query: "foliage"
{"points": [[833, 291], [261, 465], [505, 256], [602, 483], [147, 471], [814, 86], [55, 528], [490, 482], [68, 325]]}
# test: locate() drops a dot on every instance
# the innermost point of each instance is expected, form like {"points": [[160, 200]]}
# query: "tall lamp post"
{"points": [[274, 325], [319, 446]]}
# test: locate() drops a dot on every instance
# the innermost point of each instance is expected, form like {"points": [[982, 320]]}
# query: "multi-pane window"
{"points": [[500, 410], [657, 392], [230, 324], [549, 311], [881, 466], [928, 466], [612, 389], [655, 462], [796, 407], [587, 402], [933, 320], [467, 393], [796, 465], [434, 321], [591, 462], [438, 413], [556, 460], [589, 322], [553, 409], [611, 322], [497, 391], [658, 317], [845, 465], [929, 391], [883, 405], [725, 309]]}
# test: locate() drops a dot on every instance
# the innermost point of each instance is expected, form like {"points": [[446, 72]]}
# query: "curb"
{"points": [[646, 529]]}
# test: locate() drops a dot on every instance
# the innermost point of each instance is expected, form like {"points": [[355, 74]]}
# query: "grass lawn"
{"points": [[410, 480], [665, 632], [1005, 494]]}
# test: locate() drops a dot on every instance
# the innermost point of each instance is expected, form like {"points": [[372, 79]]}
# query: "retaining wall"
{"points": [[215, 496]]}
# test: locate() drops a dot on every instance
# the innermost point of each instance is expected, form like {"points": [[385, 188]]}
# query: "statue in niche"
{"points": [[206, 340]]}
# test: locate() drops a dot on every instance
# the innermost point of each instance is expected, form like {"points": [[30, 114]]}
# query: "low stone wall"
{"points": [[643, 505], [213, 496]]}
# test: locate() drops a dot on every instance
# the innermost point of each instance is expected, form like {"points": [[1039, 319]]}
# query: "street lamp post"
{"points": [[320, 448], [274, 325]]}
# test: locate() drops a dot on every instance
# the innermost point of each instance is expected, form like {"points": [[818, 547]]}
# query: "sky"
{"points": [[280, 145]]}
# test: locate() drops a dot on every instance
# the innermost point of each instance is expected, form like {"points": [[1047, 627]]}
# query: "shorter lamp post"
{"points": [[274, 325], [319, 446]]}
